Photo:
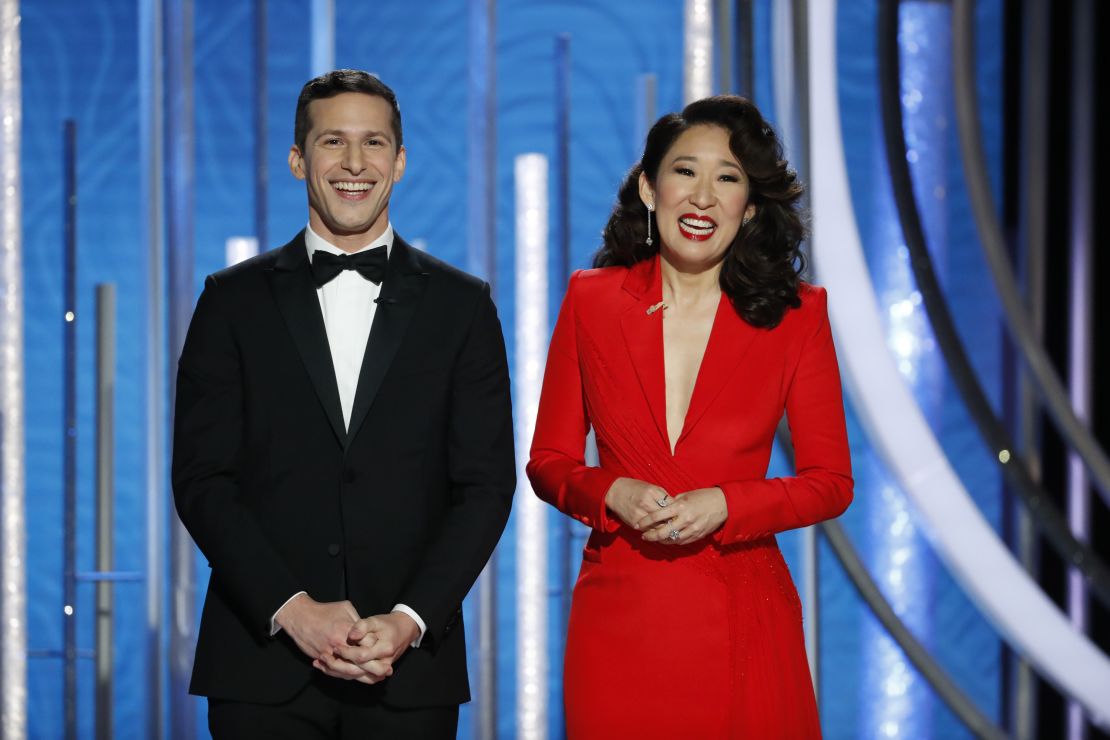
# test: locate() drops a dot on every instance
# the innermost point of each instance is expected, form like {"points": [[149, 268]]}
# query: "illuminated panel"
{"points": [[961, 536], [531, 513], [13, 579], [697, 68]]}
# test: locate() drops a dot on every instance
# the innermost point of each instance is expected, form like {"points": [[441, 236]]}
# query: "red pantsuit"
{"points": [[702, 640]]}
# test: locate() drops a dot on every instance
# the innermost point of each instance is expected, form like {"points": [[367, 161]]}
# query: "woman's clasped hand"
{"points": [[670, 520]]}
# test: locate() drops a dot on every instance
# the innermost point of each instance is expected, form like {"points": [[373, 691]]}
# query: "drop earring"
{"points": [[650, 208]]}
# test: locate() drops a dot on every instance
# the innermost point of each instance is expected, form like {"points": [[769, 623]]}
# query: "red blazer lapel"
{"points": [[729, 341], [643, 336]]}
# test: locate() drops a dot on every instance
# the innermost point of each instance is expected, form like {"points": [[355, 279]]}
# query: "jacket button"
{"points": [[333, 550], [348, 476]]}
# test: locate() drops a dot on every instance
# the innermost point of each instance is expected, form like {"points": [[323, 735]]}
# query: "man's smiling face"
{"points": [[349, 164]]}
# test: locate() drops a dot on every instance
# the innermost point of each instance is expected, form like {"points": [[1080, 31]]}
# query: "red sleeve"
{"points": [[556, 464], [822, 485]]}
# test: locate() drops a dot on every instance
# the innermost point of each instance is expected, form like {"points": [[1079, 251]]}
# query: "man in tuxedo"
{"points": [[343, 453]]}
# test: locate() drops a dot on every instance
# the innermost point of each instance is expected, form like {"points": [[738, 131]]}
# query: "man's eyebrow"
{"points": [[342, 132], [692, 158]]}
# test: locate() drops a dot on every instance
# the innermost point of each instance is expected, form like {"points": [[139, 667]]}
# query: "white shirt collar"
{"points": [[313, 241]]}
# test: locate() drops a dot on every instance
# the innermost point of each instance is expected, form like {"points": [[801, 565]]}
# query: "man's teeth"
{"points": [[352, 187]]}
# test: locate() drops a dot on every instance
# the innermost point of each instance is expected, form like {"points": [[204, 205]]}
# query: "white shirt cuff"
{"points": [[416, 618], [274, 626]]}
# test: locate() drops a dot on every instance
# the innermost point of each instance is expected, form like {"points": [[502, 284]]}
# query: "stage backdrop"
{"points": [[81, 61]]}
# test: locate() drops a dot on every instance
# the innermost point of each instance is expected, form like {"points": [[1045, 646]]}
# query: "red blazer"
{"points": [[606, 361]]}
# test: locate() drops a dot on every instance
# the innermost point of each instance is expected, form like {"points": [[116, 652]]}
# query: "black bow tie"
{"points": [[370, 264]]}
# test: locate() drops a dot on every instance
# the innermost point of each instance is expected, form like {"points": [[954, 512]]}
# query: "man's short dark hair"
{"points": [[335, 83]]}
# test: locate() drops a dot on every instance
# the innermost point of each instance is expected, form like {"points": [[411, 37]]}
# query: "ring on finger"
{"points": [[674, 535], [663, 502]]}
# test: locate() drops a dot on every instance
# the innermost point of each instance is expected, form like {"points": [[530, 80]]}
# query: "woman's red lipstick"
{"points": [[696, 228]]}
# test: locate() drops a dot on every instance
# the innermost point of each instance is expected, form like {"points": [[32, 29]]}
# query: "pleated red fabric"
{"points": [[703, 640]]}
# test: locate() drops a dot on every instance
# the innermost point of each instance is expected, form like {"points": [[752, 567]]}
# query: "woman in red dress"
{"points": [[682, 351]]}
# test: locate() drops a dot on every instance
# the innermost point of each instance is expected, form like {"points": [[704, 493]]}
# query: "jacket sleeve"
{"points": [[481, 465], [822, 485], [557, 466], [207, 452]]}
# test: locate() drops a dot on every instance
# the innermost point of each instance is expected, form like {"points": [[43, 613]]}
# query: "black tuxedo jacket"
{"points": [[406, 507]]}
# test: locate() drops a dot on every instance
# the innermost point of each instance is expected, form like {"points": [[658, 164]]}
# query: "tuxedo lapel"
{"points": [[729, 341], [643, 337], [402, 289], [295, 294]]}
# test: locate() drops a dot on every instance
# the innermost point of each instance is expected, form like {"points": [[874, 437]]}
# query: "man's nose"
{"points": [[353, 160]]}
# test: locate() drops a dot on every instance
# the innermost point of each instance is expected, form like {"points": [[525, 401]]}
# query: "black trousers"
{"points": [[330, 709]]}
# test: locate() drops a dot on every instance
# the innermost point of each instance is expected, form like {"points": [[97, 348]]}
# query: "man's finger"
{"points": [[361, 628], [356, 654], [339, 668], [378, 668]]}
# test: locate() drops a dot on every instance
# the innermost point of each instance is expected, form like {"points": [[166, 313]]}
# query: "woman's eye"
{"points": [[729, 178], [684, 171]]}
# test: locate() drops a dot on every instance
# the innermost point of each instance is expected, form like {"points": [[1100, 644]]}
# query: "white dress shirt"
{"points": [[347, 304]]}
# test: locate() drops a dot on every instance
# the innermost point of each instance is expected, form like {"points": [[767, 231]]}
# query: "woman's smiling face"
{"points": [[700, 198]]}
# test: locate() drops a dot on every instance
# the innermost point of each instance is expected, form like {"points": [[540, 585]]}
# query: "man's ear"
{"points": [[296, 162], [399, 165]]}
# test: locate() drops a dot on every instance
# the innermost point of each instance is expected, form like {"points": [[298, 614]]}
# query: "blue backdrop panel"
{"points": [[79, 62]]}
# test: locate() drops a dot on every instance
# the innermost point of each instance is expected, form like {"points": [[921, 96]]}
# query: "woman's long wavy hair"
{"points": [[764, 263]]}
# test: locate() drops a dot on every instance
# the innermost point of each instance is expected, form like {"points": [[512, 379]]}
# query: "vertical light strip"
{"points": [[697, 68], [1079, 339], [322, 33], [151, 183], [13, 598], [530, 172]]}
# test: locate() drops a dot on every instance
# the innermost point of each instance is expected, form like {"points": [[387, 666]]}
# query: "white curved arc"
{"points": [[980, 562]]}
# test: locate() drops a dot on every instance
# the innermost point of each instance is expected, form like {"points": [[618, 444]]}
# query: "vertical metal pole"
{"points": [[482, 261], [261, 90], [791, 94], [105, 492], [69, 576], [724, 25], [743, 25], [560, 280], [13, 532], [1032, 227], [150, 122], [179, 220], [1081, 335]]}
